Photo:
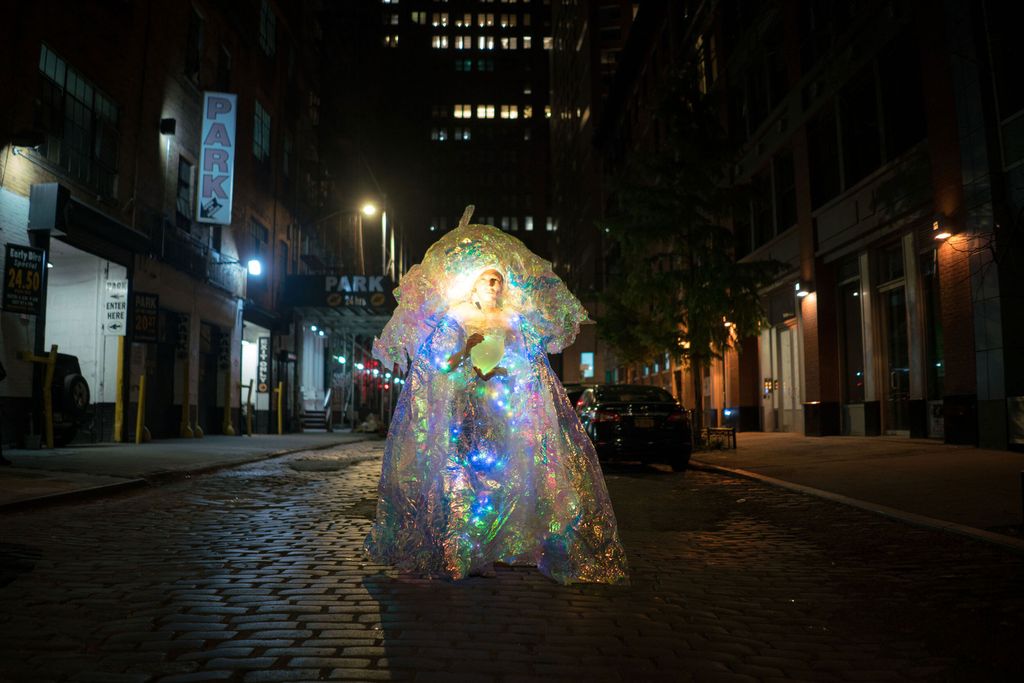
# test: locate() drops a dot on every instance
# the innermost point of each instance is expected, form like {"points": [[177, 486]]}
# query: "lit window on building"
{"points": [[439, 19], [465, 21], [587, 364], [418, 18], [485, 64], [463, 111], [484, 20], [527, 111], [439, 134], [462, 134], [391, 18], [528, 223], [510, 43], [508, 20], [268, 29], [389, 2], [526, 134], [439, 42], [547, 42], [509, 111], [391, 40], [485, 111], [551, 225], [527, 42], [513, 224], [485, 43], [463, 42], [547, 111], [261, 133], [463, 64]]}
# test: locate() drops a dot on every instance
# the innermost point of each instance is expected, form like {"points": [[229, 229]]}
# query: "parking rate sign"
{"points": [[23, 279], [217, 158]]}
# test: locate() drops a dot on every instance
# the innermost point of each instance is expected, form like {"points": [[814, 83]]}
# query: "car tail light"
{"points": [[605, 416]]}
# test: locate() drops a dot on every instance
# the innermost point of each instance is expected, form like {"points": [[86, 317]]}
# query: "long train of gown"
{"points": [[476, 472]]}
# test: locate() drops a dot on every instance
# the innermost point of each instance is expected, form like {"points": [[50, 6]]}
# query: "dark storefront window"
{"points": [[899, 71], [823, 149], [852, 342], [80, 122], [934, 344], [785, 192], [890, 263], [862, 145]]}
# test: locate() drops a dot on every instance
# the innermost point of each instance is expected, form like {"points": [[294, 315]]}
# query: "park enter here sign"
{"points": [[114, 312]]}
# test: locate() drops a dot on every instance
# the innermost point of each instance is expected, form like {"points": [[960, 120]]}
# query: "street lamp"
{"points": [[370, 210]]}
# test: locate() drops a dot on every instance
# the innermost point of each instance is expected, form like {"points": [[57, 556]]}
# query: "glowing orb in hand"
{"points": [[487, 353]]}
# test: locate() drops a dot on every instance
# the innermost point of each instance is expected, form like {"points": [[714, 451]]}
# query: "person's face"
{"points": [[488, 286]]}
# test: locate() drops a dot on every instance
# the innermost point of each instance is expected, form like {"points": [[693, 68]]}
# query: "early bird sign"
{"points": [[217, 158]]}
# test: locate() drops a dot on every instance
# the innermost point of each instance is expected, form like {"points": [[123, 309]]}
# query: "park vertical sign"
{"points": [[217, 158]]}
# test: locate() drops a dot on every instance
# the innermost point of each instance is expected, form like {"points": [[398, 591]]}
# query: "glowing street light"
{"points": [[369, 209]]}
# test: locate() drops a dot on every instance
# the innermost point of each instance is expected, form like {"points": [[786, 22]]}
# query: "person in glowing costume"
{"points": [[485, 460]]}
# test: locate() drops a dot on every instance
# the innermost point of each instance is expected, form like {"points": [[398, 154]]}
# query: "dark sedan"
{"points": [[637, 422]]}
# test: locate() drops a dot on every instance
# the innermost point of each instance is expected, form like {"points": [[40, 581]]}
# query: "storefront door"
{"points": [[896, 381]]}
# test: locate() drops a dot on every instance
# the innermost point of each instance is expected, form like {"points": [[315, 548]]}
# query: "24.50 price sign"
{"points": [[23, 279]]}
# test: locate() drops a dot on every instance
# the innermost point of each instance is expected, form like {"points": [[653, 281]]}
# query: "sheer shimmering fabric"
{"points": [[477, 472]]}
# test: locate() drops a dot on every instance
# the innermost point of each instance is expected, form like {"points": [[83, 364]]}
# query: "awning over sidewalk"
{"points": [[363, 321]]}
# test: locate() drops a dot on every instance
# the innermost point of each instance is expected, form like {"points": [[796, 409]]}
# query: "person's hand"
{"points": [[473, 340], [496, 371]]}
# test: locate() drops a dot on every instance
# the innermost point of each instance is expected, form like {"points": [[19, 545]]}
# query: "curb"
{"points": [[883, 510], [158, 478]]}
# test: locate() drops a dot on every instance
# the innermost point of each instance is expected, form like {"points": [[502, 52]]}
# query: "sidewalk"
{"points": [[48, 475], [957, 488]]}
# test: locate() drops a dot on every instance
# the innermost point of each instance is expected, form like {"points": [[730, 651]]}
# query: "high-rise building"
{"points": [[443, 104]]}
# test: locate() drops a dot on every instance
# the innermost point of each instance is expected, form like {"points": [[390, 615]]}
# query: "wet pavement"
{"points": [[255, 574]]}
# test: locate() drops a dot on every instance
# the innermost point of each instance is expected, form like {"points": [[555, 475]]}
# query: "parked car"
{"points": [[637, 422], [574, 390], [71, 400]]}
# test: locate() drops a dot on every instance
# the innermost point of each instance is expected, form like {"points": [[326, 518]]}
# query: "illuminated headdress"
{"points": [[447, 274]]}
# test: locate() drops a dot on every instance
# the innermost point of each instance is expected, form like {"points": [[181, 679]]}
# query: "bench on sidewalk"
{"points": [[723, 437]]}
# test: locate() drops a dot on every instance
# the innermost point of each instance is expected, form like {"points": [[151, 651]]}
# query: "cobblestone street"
{"points": [[255, 574]]}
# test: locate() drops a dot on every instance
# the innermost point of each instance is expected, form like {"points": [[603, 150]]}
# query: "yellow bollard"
{"points": [[280, 418], [141, 414], [119, 395], [50, 360], [185, 429], [228, 428], [248, 409]]}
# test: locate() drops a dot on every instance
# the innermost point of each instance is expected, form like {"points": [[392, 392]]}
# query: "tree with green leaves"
{"points": [[677, 283]]}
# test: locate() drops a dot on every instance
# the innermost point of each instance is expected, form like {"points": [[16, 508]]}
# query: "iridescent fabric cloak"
{"points": [[475, 471]]}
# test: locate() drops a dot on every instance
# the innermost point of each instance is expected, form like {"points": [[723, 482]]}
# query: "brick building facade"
{"points": [[879, 145], [105, 105]]}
